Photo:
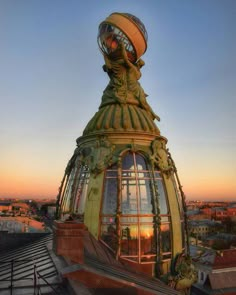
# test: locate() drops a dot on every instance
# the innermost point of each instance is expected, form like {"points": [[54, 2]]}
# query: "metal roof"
{"points": [[223, 280], [5, 203], [31, 268], [98, 261], [225, 259], [28, 269]]}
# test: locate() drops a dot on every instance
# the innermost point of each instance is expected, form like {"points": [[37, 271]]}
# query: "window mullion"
{"points": [[138, 207], [118, 211]]}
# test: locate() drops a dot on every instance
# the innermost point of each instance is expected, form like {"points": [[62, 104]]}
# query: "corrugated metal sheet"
{"points": [[17, 269]]}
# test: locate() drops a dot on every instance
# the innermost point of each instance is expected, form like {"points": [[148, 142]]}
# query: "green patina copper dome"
{"points": [[118, 118], [121, 181]]}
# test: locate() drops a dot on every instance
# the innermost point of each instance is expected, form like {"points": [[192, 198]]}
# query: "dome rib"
{"points": [[100, 121], [117, 115], [135, 119], [121, 117], [142, 120], [147, 119]]}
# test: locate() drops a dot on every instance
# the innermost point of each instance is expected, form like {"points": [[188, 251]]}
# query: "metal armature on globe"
{"points": [[122, 28]]}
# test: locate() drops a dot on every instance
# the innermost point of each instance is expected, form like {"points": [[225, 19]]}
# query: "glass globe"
{"points": [[115, 30]]}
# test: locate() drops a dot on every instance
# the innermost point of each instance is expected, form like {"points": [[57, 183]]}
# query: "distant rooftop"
{"points": [[5, 203], [225, 258]]}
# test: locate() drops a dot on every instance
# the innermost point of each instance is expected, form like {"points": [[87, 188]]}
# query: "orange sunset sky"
{"points": [[51, 83]]}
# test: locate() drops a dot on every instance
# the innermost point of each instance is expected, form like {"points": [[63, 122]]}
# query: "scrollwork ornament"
{"points": [[159, 156], [99, 155], [183, 274]]}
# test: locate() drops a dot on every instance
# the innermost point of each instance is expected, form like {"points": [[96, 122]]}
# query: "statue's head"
{"points": [[125, 28]]}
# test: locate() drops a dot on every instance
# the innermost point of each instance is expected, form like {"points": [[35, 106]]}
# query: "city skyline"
{"points": [[51, 83]]}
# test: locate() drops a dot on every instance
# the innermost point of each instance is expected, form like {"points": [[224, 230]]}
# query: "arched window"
{"points": [[134, 200], [74, 191]]}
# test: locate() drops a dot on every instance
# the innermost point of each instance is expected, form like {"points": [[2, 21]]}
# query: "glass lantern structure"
{"points": [[121, 180], [122, 27]]}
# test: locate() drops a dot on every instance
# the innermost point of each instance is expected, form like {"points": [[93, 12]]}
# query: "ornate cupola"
{"points": [[121, 181]]}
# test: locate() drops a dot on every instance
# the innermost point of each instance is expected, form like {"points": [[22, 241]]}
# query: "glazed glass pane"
{"points": [[140, 162], [129, 240], [145, 197], [161, 197], [165, 237], [129, 197], [128, 162], [147, 239], [110, 196], [109, 235]]}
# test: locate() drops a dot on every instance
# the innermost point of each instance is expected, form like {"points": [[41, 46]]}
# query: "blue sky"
{"points": [[51, 82]]}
